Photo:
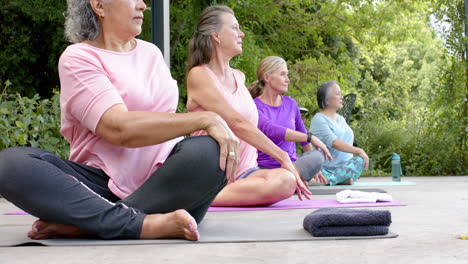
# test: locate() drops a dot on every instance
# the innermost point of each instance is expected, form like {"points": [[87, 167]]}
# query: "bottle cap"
{"points": [[395, 156]]}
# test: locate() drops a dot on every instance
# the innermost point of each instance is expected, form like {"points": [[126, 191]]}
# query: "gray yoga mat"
{"points": [[360, 184], [333, 191], [231, 230]]}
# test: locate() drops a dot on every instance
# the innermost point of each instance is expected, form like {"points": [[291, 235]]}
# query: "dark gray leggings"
{"points": [[67, 192]]}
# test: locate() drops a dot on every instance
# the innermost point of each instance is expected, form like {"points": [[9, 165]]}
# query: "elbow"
{"points": [[117, 135], [335, 144], [240, 125], [123, 139], [126, 136]]}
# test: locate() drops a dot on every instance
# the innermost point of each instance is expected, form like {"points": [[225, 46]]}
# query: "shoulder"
{"points": [[319, 118], [289, 100], [147, 53], [341, 119], [79, 54], [146, 46], [239, 75], [143, 44], [199, 76], [78, 49], [198, 72], [258, 102]]}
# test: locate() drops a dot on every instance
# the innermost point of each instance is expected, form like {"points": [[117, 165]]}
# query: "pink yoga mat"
{"points": [[305, 204]]}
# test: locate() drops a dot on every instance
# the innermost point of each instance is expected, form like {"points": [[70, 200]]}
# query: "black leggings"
{"points": [[66, 192]]}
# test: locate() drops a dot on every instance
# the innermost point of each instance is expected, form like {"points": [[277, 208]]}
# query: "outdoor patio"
{"points": [[435, 212]]}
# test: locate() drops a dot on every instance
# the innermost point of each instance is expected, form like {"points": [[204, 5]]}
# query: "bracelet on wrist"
{"points": [[309, 136]]}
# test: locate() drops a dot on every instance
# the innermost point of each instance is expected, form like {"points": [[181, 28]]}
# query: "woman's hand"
{"points": [[301, 188], [228, 143], [320, 179], [318, 144], [361, 153]]}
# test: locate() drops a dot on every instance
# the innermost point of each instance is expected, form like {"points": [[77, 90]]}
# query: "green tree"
{"points": [[31, 43]]}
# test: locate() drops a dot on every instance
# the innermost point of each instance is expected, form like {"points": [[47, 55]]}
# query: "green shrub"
{"points": [[31, 122]]}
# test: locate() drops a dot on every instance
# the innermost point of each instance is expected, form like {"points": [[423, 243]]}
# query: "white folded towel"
{"points": [[348, 196]]}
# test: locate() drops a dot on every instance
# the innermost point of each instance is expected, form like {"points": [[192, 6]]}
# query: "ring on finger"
{"points": [[232, 155]]}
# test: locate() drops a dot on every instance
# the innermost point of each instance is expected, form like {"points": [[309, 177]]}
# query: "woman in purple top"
{"points": [[280, 120]]}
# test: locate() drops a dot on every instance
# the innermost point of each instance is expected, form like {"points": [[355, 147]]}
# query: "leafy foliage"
{"points": [[408, 72], [31, 43], [31, 122]]}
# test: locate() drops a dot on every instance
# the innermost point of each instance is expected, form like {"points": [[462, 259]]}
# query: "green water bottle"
{"points": [[396, 167]]}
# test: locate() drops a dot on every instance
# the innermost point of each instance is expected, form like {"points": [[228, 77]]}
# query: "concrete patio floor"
{"points": [[436, 211]]}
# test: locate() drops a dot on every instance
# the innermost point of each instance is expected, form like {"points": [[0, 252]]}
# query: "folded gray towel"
{"points": [[347, 222], [335, 231]]}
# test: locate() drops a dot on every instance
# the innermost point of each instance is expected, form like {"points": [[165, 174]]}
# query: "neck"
{"points": [[111, 42], [270, 97], [330, 113], [219, 64]]}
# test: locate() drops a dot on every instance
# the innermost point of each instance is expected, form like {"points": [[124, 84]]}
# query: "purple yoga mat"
{"points": [[305, 204], [16, 213]]}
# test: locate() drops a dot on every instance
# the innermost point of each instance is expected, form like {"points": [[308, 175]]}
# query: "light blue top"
{"points": [[328, 130]]}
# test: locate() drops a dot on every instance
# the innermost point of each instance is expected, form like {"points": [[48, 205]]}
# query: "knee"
{"points": [[200, 149], [359, 162], [202, 152], [285, 183], [10, 162], [317, 157], [309, 164], [8, 159]]}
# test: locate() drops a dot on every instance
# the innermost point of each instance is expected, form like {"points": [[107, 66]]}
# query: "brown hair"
{"points": [[267, 65], [201, 45]]}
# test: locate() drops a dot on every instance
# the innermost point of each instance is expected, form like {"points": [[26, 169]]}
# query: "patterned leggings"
{"points": [[345, 170]]}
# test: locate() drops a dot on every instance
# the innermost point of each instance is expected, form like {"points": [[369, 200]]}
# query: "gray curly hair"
{"points": [[81, 23]]}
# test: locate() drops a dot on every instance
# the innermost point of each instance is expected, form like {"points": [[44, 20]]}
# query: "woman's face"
{"points": [[230, 36], [335, 100], [124, 17], [278, 80]]}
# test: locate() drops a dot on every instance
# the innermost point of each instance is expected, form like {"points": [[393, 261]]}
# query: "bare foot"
{"points": [[314, 182], [347, 182], [42, 229], [177, 224]]}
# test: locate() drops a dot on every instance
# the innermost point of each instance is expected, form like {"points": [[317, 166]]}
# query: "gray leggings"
{"points": [[309, 164], [66, 192]]}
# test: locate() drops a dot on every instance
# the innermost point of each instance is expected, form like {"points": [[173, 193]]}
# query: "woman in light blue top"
{"points": [[332, 129]]}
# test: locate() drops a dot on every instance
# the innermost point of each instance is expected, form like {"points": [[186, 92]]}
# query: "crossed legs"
{"points": [[72, 199], [346, 172]]}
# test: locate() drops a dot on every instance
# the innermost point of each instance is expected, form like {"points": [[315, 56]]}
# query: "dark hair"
{"points": [[201, 45], [323, 93]]}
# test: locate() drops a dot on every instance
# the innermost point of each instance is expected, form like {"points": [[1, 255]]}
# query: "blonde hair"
{"points": [[201, 45], [267, 65]]}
